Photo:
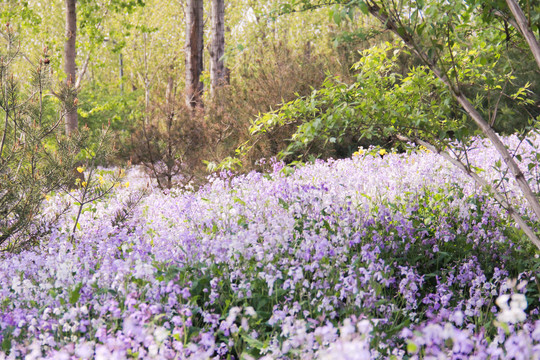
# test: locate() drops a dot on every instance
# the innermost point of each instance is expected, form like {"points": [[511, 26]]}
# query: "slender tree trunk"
{"points": [[194, 53], [70, 67], [169, 100], [146, 83], [218, 72], [169, 92], [121, 63], [524, 29]]}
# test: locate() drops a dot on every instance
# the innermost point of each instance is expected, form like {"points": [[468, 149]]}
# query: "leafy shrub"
{"points": [[380, 103], [35, 157], [176, 140], [172, 145], [264, 78], [30, 166]]}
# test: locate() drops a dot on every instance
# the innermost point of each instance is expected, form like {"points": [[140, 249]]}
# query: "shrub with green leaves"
{"points": [[35, 157], [380, 103]]}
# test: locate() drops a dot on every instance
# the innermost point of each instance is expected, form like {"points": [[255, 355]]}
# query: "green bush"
{"points": [[35, 157]]}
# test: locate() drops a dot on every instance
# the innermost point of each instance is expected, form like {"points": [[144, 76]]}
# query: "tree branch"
{"points": [[524, 28], [481, 181], [408, 39]]}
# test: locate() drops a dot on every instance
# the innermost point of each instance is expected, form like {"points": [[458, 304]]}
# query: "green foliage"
{"points": [[393, 95], [266, 77], [29, 167], [105, 106], [379, 104], [90, 185], [35, 157]]}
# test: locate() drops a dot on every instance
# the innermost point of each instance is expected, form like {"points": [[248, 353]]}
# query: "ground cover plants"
{"points": [[382, 255]]}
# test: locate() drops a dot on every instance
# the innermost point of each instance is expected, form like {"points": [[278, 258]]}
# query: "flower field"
{"points": [[397, 256]]}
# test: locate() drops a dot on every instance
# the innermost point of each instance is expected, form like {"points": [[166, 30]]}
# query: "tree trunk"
{"points": [[194, 53], [169, 91], [146, 83], [70, 67], [218, 72], [121, 63], [524, 29]]}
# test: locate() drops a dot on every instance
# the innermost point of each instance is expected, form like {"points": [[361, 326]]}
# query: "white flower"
{"points": [[160, 334], [518, 301], [102, 353], [85, 350], [153, 350], [511, 283], [521, 285], [233, 313], [515, 312], [458, 318], [62, 355], [502, 301], [245, 324], [250, 311], [35, 352], [347, 330], [142, 270], [512, 316], [364, 326]]}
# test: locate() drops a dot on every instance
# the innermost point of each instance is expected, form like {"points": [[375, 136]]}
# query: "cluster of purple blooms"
{"points": [[397, 257]]}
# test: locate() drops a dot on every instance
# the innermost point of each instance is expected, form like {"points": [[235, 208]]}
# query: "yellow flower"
{"points": [[126, 185], [84, 183], [80, 169], [101, 181], [383, 152], [359, 152]]}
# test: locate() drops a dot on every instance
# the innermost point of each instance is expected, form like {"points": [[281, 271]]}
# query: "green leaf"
{"points": [[75, 294], [420, 28], [240, 201], [6, 343], [412, 348], [257, 344], [283, 204], [363, 7], [336, 16]]}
